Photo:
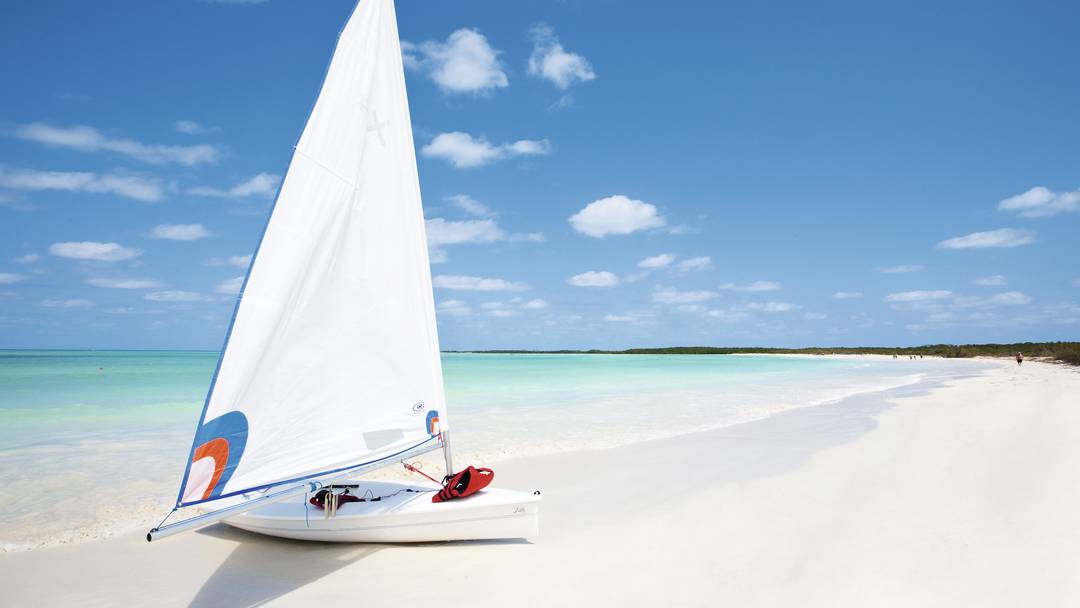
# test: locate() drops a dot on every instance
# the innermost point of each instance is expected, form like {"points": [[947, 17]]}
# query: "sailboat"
{"points": [[331, 365]]}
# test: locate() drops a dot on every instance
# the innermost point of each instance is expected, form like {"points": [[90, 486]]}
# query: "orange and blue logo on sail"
{"points": [[433, 423], [219, 444]]}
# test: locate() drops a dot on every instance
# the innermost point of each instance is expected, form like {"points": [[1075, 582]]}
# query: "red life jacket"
{"points": [[464, 483]]}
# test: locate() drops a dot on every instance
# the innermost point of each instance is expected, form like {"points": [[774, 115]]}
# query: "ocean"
{"points": [[94, 442]]}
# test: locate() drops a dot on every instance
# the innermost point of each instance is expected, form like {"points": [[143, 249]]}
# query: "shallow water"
{"points": [[94, 442]]}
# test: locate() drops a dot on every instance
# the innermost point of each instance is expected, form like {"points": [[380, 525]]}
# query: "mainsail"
{"points": [[332, 359]]}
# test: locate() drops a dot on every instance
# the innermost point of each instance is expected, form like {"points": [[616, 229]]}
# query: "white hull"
{"points": [[405, 517]]}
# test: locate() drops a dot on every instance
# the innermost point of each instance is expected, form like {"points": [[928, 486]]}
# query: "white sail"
{"points": [[332, 359]]}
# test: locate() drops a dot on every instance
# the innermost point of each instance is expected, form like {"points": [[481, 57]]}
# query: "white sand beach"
{"points": [[961, 495]]}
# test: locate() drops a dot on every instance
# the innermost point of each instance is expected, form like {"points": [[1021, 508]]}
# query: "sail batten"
{"points": [[332, 357]]}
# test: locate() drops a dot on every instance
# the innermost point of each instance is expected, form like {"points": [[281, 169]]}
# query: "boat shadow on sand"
{"points": [[263, 568]]}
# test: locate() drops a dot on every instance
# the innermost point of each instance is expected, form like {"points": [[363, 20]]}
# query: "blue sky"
{"points": [[595, 174]]}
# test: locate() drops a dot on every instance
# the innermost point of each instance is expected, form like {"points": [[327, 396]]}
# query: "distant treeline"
{"points": [[1067, 352]]}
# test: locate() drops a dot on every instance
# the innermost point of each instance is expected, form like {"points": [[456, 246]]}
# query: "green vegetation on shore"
{"points": [[1066, 352]]}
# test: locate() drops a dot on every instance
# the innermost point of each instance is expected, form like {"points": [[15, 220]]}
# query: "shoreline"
{"points": [[148, 510], [962, 494]]}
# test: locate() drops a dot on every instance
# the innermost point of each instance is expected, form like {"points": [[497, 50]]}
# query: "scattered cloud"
{"points": [[550, 61], [535, 304], [616, 214], [90, 250], [237, 261], [1005, 237], [464, 64], [174, 295], [124, 283], [190, 127], [770, 306], [662, 260], [470, 206], [8, 278], [1041, 202], [470, 283], [814, 316], [145, 189], [594, 278], [901, 269], [632, 318], [29, 258], [726, 315], [995, 280], [89, 139], [463, 151], [263, 185], [453, 308], [231, 286], [847, 295], [752, 287], [695, 264], [72, 303], [918, 296], [447, 232], [179, 232], [674, 296]]}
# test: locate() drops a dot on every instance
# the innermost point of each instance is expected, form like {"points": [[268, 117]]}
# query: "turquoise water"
{"points": [[105, 434]]}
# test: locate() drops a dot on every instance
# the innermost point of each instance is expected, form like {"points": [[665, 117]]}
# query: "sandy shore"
{"points": [[961, 495]]}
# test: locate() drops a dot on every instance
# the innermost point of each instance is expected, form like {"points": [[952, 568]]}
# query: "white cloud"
{"points": [[1008, 298], [240, 261], [174, 295], [437, 256], [847, 295], [470, 206], [726, 316], [770, 306], [901, 269], [263, 185], [469, 283], [815, 316], [443, 232], [464, 151], [1005, 237], [755, 286], [146, 189], [453, 308], [190, 127], [7, 278], [535, 304], [89, 250], [465, 63], [179, 232], [549, 60], [231, 286], [89, 139], [995, 280], [72, 303], [29, 258], [616, 214], [674, 296], [1041, 202], [593, 278], [662, 260], [124, 283], [695, 264], [918, 296], [633, 318]]}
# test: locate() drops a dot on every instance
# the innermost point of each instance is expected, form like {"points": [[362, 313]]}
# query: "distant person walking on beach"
{"points": [[1019, 358]]}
